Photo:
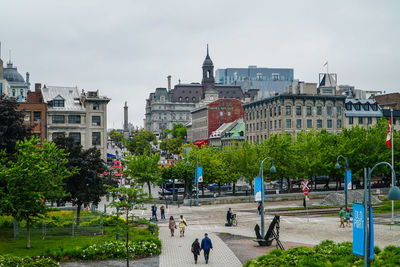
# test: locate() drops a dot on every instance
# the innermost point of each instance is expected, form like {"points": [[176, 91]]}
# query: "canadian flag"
{"points": [[388, 136]]}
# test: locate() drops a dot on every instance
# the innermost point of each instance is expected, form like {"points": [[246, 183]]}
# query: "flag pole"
{"points": [[391, 137]]}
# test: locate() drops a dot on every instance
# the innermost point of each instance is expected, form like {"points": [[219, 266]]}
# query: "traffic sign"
{"points": [[305, 192], [304, 184]]}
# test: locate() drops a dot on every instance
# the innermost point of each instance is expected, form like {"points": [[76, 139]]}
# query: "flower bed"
{"points": [[327, 253], [10, 261]]}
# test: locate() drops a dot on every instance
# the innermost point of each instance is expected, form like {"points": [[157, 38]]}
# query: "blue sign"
{"points": [[358, 229], [200, 174], [348, 187], [371, 240], [258, 189]]}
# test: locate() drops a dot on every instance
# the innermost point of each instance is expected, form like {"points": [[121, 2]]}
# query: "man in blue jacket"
{"points": [[206, 245]]}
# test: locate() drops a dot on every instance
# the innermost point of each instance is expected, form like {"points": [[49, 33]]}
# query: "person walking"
{"points": [[206, 245], [154, 212], [182, 226], [348, 216], [172, 225], [229, 216], [196, 249], [341, 216], [162, 210]]}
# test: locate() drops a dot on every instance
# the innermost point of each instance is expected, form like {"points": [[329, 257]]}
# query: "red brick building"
{"points": [[35, 113], [209, 118]]}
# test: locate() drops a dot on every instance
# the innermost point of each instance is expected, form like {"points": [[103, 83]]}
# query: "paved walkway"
{"points": [[176, 251]]}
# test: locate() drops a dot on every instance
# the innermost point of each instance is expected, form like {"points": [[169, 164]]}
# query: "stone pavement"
{"points": [[176, 251]]}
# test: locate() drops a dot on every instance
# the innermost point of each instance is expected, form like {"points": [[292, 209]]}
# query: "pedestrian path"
{"points": [[176, 251]]}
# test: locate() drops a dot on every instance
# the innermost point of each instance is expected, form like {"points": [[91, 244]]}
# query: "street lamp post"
{"points": [[394, 194], [272, 170], [197, 180], [346, 166]]}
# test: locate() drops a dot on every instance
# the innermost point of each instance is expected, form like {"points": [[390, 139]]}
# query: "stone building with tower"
{"points": [[168, 106]]}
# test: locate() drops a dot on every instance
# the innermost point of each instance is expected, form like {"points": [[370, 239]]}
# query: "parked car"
{"points": [[224, 187]]}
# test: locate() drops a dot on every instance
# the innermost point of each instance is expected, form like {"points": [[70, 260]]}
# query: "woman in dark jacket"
{"points": [[196, 249]]}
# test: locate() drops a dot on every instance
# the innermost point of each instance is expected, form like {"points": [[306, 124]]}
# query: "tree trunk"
{"points": [[78, 215], [233, 188], [127, 238], [148, 184], [28, 233], [202, 190], [251, 188]]}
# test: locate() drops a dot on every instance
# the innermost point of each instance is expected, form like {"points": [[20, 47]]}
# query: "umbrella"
{"points": [[116, 161], [116, 167], [105, 172], [120, 173]]}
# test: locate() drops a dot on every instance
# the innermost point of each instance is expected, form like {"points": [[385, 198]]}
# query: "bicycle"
{"points": [[233, 220]]}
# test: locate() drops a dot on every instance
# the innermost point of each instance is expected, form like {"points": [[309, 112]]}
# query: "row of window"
{"points": [[37, 115], [75, 119], [366, 106], [288, 111], [277, 124], [360, 120], [21, 92], [96, 137], [61, 103]]}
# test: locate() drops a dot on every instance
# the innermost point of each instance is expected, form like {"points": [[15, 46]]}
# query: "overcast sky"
{"points": [[126, 49]]}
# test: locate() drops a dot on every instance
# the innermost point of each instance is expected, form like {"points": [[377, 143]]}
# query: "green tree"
{"points": [[116, 136], [182, 172], [172, 145], [85, 186], [141, 142], [144, 169], [35, 174], [125, 198]]}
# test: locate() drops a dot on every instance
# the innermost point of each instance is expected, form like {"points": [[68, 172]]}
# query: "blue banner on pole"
{"points": [[200, 174], [371, 248], [258, 189], [348, 186], [358, 229]]}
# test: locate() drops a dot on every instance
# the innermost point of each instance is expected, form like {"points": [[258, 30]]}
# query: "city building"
{"points": [[215, 137], [363, 112], [166, 107], [268, 80], [82, 116], [388, 101], [396, 118], [35, 113], [235, 135], [16, 87], [206, 119]]}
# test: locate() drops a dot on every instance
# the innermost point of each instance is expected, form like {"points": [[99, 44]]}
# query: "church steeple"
{"points": [[208, 80]]}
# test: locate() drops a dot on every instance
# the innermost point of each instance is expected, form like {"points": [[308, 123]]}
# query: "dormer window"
{"points": [[348, 106], [366, 107], [357, 106], [374, 107], [58, 103]]}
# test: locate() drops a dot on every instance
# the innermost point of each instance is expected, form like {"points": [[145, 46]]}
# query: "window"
{"points": [[319, 124], [350, 120], [76, 137], [193, 99], [58, 119], [221, 113], [274, 111], [58, 134], [58, 103], [96, 120], [180, 99], [265, 113], [229, 113], [21, 91], [348, 106], [329, 124], [360, 120], [229, 103], [247, 127], [247, 117], [257, 126], [37, 115], [369, 120], [309, 124], [298, 110], [280, 124], [74, 119], [261, 125], [366, 106], [308, 111], [257, 114], [221, 104], [319, 110], [96, 106], [329, 111], [339, 111], [374, 107], [298, 123], [96, 139], [13, 92], [27, 116], [270, 125], [279, 111], [187, 99], [339, 124], [288, 123], [357, 106], [270, 112], [275, 124], [288, 110]]}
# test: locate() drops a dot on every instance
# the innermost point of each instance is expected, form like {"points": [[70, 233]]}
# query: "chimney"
{"points": [[37, 87], [169, 82], [246, 84]]}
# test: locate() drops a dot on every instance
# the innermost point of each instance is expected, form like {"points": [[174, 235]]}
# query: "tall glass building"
{"points": [[268, 80]]}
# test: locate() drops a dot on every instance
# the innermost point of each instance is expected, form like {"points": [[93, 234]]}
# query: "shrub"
{"points": [[11, 261]]}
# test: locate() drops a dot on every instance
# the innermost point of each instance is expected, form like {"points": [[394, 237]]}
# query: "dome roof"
{"points": [[11, 74]]}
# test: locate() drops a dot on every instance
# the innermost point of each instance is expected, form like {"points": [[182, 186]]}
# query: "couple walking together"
{"points": [[182, 225], [206, 245]]}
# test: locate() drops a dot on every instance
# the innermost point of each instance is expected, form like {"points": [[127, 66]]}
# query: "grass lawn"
{"points": [[17, 247]]}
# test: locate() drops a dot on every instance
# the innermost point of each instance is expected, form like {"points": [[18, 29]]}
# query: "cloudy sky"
{"points": [[127, 48]]}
